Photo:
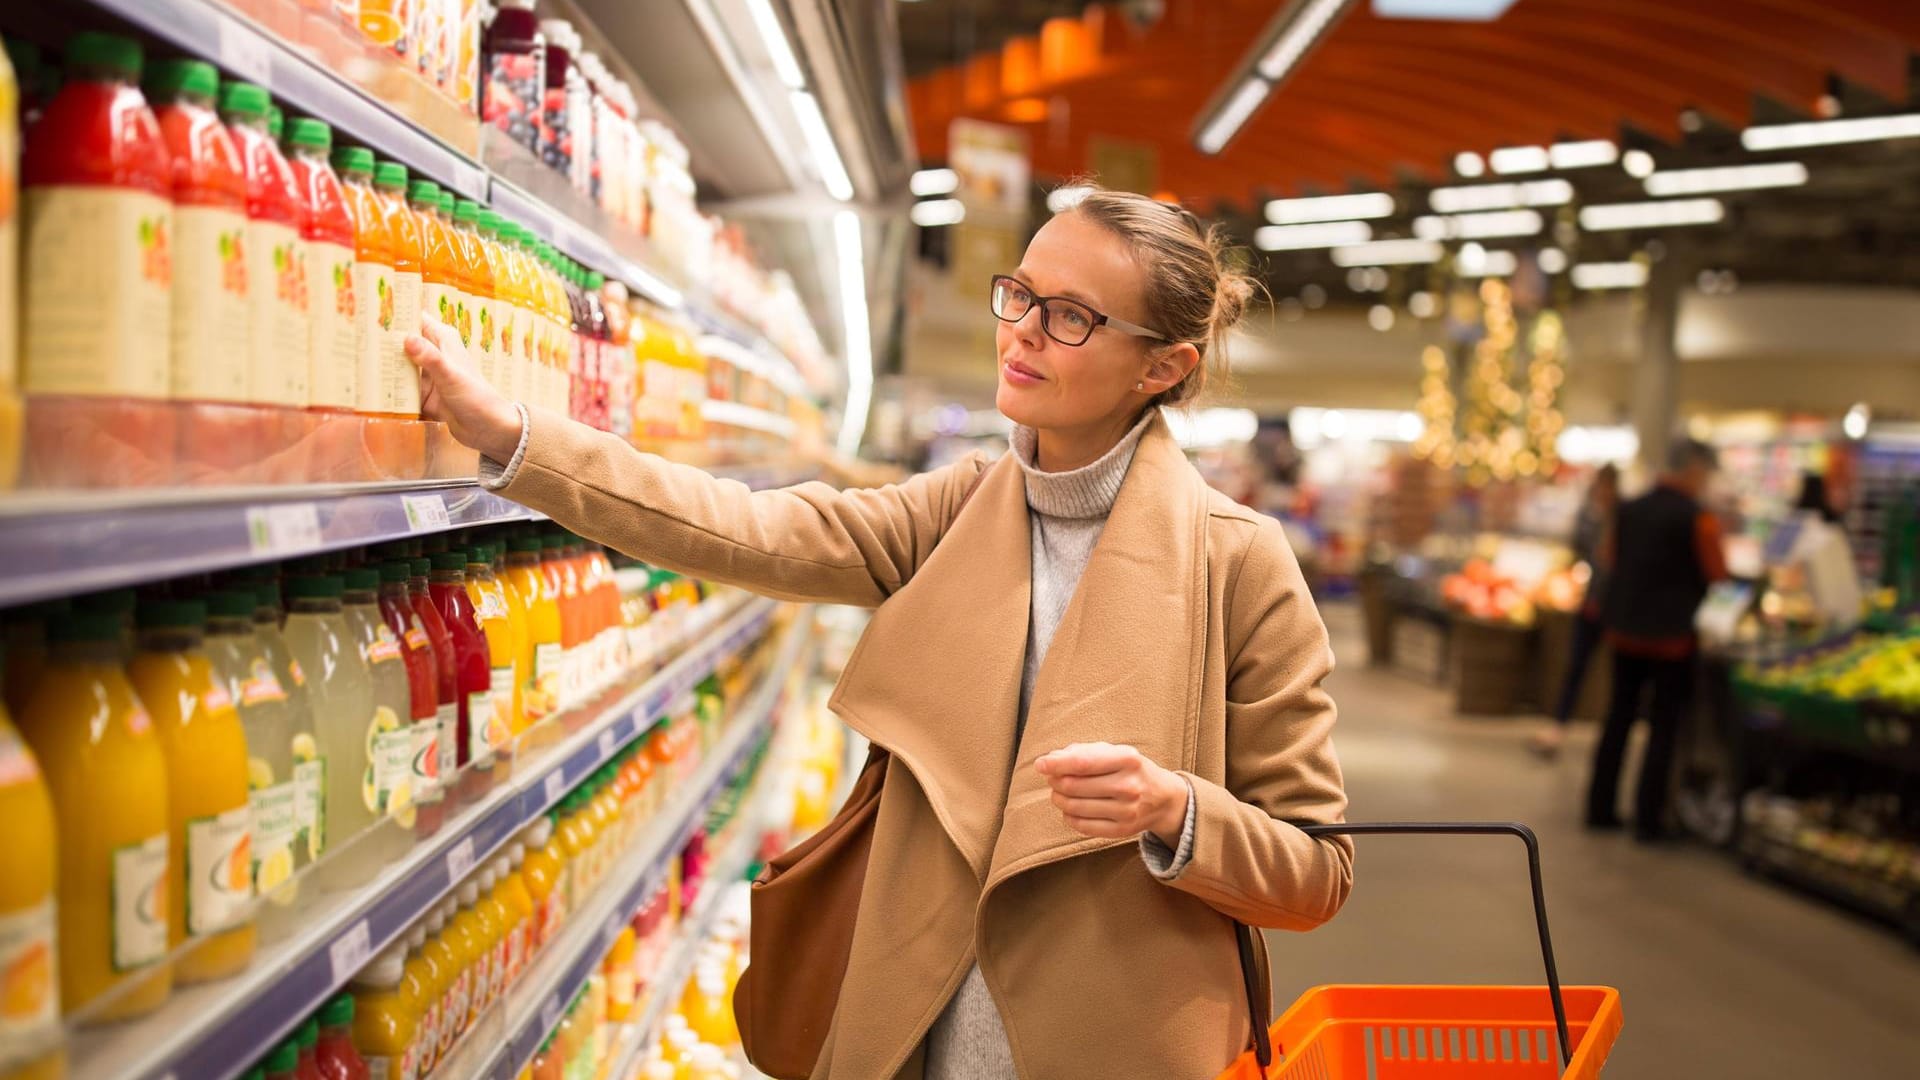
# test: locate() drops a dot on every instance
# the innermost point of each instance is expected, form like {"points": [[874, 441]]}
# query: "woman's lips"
{"points": [[1020, 374]]}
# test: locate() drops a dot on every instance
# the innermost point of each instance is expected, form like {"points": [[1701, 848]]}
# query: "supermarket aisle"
{"points": [[1721, 975]]}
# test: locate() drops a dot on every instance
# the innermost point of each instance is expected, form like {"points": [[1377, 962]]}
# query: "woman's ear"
{"points": [[1167, 367]]}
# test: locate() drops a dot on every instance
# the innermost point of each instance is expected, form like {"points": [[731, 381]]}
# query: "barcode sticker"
{"points": [[460, 859], [351, 951], [425, 513], [245, 53], [283, 528], [555, 785]]}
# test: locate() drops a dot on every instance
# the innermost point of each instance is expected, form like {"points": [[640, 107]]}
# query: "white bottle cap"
{"points": [[661, 1070], [484, 881], [706, 1057], [436, 923], [417, 937], [516, 854], [675, 1022], [469, 893], [540, 832], [385, 970], [501, 869]]}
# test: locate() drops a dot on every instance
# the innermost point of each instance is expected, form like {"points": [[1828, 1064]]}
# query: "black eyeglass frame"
{"points": [[1096, 319]]}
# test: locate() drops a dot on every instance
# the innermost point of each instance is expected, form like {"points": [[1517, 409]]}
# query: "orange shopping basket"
{"points": [[1435, 1032]]}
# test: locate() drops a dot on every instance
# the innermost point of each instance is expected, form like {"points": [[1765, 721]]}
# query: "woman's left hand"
{"points": [[1115, 792]]}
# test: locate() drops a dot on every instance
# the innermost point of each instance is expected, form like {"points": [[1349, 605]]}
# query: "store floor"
{"points": [[1721, 975]]}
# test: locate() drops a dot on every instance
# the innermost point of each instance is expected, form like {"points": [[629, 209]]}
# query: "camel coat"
{"points": [[1191, 637]]}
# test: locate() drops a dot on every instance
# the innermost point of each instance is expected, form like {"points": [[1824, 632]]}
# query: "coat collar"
{"points": [[936, 679]]}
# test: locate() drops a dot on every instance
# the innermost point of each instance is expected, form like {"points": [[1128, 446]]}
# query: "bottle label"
{"points": [[400, 378], [262, 685], [140, 903], [16, 761], [99, 300], [479, 719], [219, 870], [486, 332], [310, 788], [276, 826], [217, 699], [277, 294], [387, 781], [547, 665], [445, 304], [299, 676], [334, 338], [427, 1042], [425, 764], [500, 729], [453, 1016], [448, 741], [373, 321], [138, 722], [417, 638], [29, 984], [384, 647], [209, 304]]}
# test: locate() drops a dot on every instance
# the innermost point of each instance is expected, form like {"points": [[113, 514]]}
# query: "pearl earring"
{"points": [[1139, 386]]}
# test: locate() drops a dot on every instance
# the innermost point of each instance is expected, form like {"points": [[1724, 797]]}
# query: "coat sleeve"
{"points": [[1248, 861], [809, 543]]}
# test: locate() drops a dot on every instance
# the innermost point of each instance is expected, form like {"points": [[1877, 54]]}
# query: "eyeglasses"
{"points": [[1066, 321]]}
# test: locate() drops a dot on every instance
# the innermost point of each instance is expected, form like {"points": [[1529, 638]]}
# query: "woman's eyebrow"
{"points": [[1070, 294]]}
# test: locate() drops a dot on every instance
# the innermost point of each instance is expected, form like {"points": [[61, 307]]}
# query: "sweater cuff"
{"points": [[1168, 863], [493, 475]]}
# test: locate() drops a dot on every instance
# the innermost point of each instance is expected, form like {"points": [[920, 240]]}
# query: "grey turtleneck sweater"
{"points": [[1067, 511]]}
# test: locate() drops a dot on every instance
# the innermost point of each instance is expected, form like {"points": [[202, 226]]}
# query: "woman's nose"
{"points": [[1028, 328]]}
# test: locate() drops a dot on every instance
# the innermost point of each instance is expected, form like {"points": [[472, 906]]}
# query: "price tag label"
{"points": [[283, 528], [555, 785], [350, 952], [425, 513], [470, 180], [245, 53], [550, 1014], [607, 743], [460, 859]]}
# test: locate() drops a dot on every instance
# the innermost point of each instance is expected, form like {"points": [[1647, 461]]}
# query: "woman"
{"points": [[1589, 535], [1100, 681]]}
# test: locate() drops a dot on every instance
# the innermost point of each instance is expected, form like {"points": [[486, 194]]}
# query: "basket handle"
{"points": [[1262, 1038]]}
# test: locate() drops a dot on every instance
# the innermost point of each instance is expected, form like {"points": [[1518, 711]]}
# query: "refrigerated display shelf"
{"points": [[214, 1031], [744, 416], [509, 1035], [1889, 901]]}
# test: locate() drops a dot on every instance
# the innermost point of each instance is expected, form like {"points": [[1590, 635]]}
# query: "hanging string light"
{"points": [[1546, 374], [1435, 409], [1492, 440]]}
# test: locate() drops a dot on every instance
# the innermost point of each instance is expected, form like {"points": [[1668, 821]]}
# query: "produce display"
{"points": [[1859, 845], [1482, 592], [1855, 668]]}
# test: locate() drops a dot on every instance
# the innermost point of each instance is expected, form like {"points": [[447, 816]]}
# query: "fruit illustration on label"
{"points": [[486, 330], [343, 300], [26, 986], [259, 774], [506, 334], [466, 322], [386, 303], [275, 870], [151, 907], [233, 262], [156, 260]]}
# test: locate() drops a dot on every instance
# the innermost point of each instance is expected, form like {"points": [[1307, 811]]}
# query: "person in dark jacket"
{"points": [[1664, 551], [1589, 532]]}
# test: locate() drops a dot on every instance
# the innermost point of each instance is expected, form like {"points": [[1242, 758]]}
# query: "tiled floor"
{"points": [[1721, 975]]}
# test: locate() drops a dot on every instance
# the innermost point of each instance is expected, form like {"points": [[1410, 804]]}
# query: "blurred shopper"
{"points": [[1099, 681], [1589, 532], [1815, 499], [1664, 551]]}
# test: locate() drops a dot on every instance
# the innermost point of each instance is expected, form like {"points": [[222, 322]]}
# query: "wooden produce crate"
{"points": [[1493, 667]]}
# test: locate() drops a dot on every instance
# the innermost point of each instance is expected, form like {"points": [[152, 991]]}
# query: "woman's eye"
{"points": [[1019, 296], [1077, 319]]}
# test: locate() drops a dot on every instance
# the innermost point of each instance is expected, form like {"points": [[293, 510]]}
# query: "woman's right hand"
{"points": [[452, 391]]}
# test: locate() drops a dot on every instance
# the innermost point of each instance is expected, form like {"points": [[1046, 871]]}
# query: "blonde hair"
{"points": [[1194, 294]]}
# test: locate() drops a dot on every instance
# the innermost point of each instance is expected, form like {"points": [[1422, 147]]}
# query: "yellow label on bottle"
{"points": [[209, 304], [334, 378], [402, 379], [140, 903], [374, 319], [99, 303], [277, 329], [219, 870]]}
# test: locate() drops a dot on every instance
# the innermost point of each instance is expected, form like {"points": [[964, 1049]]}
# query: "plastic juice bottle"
{"points": [[98, 307], [501, 312], [307, 1042], [568, 1038], [542, 870], [373, 285], [499, 923], [473, 947], [514, 73], [600, 350], [283, 1063], [512, 372], [473, 663], [210, 303], [560, 359], [442, 949], [341, 690], [386, 1023], [601, 811], [92, 736], [386, 773], [423, 971], [482, 289], [423, 694], [26, 648], [537, 260], [446, 670], [519, 242], [617, 356], [580, 830], [267, 726], [490, 605], [336, 1056], [308, 770], [11, 115], [520, 903], [573, 553], [400, 381], [29, 869], [440, 268], [618, 971], [573, 343], [564, 590], [546, 1063], [209, 849], [279, 352], [543, 626], [594, 1001], [520, 622], [613, 637], [329, 228]]}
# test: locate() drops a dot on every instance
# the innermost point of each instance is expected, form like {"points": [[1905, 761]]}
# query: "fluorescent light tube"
{"points": [[1453, 200], [1388, 253], [1330, 208], [938, 212], [1519, 159], [1479, 226], [826, 154], [1772, 174], [1323, 235], [934, 182], [1583, 155], [1233, 115], [1831, 132], [779, 50], [859, 331], [1653, 215], [1616, 275]]}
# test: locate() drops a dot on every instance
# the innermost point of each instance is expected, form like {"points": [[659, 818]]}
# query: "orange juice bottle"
{"points": [[549, 334], [476, 930], [276, 260], [424, 971], [510, 868], [583, 839], [543, 627], [329, 229], [496, 620], [210, 850], [386, 1020], [441, 296], [605, 808], [519, 623], [617, 969], [559, 332], [543, 869], [564, 585], [108, 775], [499, 923], [373, 281], [399, 381], [442, 948], [29, 867], [504, 311], [481, 289]]}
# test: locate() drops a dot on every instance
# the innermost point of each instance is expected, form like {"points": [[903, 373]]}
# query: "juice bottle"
{"points": [[475, 955], [490, 605], [386, 1022], [546, 1063], [424, 971], [283, 1063], [107, 773], [400, 380], [564, 586], [473, 664], [605, 820], [443, 297], [11, 115], [573, 367], [373, 283], [514, 73], [308, 770], [98, 308], [480, 288], [542, 870], [560, 332], [507, 302], [574, 557], [517, 241], [599, 346], [617, 359], [341, 690], [279, 353], [267, 726], [307, 1042], [499, 923], [520, 622], [29, 867], [209, 848], [336, 1056], [446, 679], [329, 227], [210, 301], [512, 891], [423, 693], [618, 971], [442, 949], [593, 1002], [578, 832], [568, 1038], [26, 648], [542, 687], [537, 381], [386, 777]]}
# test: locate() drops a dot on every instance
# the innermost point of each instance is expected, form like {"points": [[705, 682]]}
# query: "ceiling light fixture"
{"points": [[1300, 29], [934, 182], [1772, 174], [1638, 163], [1831, 132], [826, 154], [1388, 253], [1552, 261], [1585, 154], [1469, 164], [935, 213], [1330, 208], [1453, 200], [1653, 215], [1479, 226], [1323, 235], [859, 330], [1614, 275], [1476, 261], [1232, 116], [1288, 37], [1519, 159], [774, 37]]}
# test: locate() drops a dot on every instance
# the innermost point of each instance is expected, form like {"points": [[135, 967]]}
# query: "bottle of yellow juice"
{"points": [[29, 865]]}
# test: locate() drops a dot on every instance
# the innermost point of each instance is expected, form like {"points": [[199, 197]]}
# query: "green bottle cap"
{"points": [[446, 202], [110, 53], [524, 543], [425, 191], [395, 572], [178, 78], [284, 1059], [353, 160], [553, 541], [421, 566], [276, 122], [338, 1012], [489, 223], [390, 174], [467, 211], [362, 579], [159, 613], [244, 99], [84, 626], [231, 604], [116, 602], [450, 560], [312, 133], [309, 1036], [596, 279], [316, 587]]}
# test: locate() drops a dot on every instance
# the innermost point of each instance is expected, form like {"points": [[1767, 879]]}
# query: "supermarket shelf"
{"points": [[1889, 740], [1842, 884], [743, 416], [506, 1039], [212, 1032]]}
